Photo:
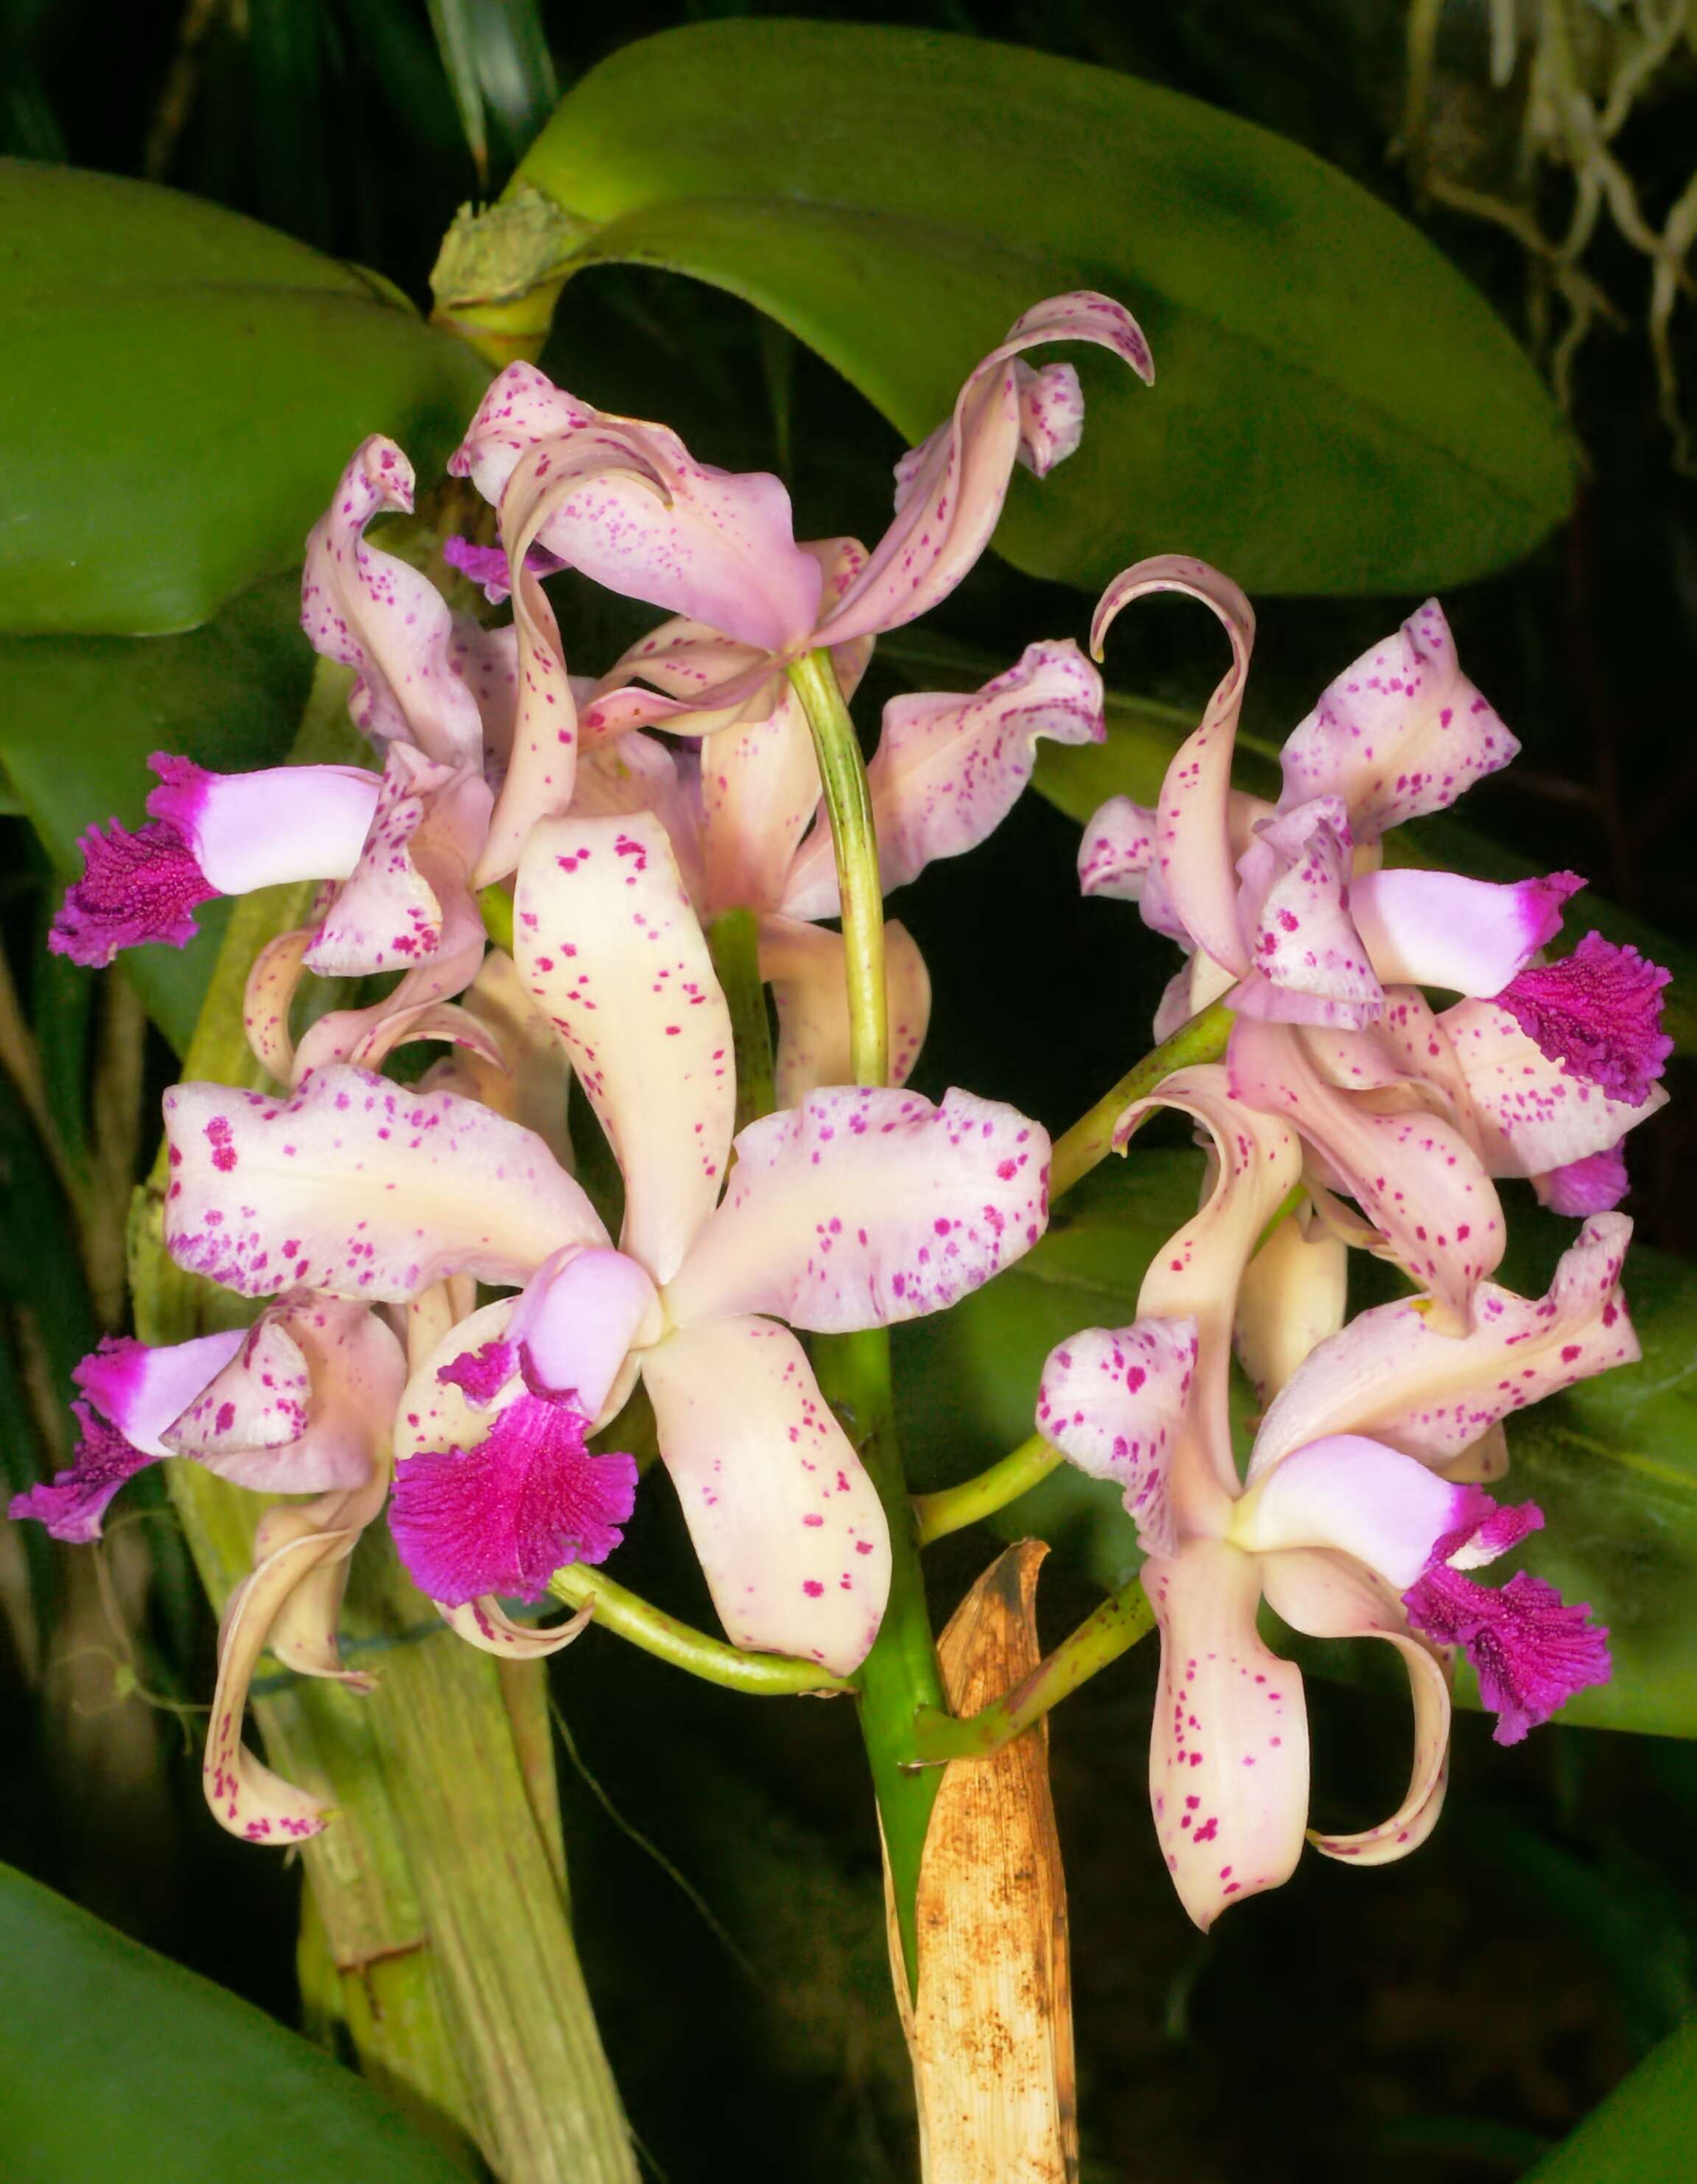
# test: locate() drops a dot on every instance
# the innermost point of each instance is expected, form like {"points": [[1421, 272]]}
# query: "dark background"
{"points": [[1439, 2019]]}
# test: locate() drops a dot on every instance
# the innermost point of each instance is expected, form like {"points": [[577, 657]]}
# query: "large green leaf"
{"points": [[1644, 2132], [1612, 1463], [182, 387], [1336, 410], [117, 2063], [82, 713]]}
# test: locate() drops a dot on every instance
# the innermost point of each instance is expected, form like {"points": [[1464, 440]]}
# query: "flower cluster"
{"points": [[361, 1214], [1348, 1112]]}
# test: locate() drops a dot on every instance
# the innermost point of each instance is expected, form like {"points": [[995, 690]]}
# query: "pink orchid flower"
{"points": [[300, 1402], [1359, 1515], [859, 1209], [626, 503], [749, 828]]}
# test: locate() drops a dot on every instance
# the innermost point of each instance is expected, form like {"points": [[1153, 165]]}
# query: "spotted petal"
{"points": [[760, 792], [950, 490], [804, 967], [610, 947], [861, 1208], [788, 1526], [1392, 1374], [1113, 1401], [1400, 731], [381, 617], [361, 1188], [1228, 1756], [1311, 965], [1532, 1115], [947, 769]]}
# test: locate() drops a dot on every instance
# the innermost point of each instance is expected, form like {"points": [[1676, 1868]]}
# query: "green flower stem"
{"points": [[440, 1940], [495, 906], [1091, 1138], [899, 1678], [734, 938], [843, 776], [954, 1507], [763, 1675], [1116, 1626]]}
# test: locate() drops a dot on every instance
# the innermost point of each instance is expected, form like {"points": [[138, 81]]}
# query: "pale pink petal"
{"points": [[630, 507], [143, 1390], [1113, 1401], [361, 1188], [1195, 862], [609, 947], [1228, 1757], [1401, 732], [1467, 936], [759, 793], [1328, 1596], [789, 1530], [1414, 1176], [1360, 1497], [485, 1624], [1311, 965], [1291, 1298], [804, 967], [381, 617], [578, 1320], [1532, 1115], [1392, 1374], [1256, 1164], [948, 770], [950, 490], [1116, 851], [304, 1406], [861, 1208]]}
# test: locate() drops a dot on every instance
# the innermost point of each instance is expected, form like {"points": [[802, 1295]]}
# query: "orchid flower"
{"points": [[302, 1401], [626, 503], [749, 828], [1356, 1517], [859, 1209]]}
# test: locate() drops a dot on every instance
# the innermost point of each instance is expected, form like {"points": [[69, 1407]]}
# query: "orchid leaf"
{"points": [[1612, 1463], [495, 56], [1643, 2132], [183, 386], [118, 2063], [1336, 410]]}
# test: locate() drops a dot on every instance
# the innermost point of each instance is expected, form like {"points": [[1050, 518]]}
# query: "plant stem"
{"points": [[1091, 1138], [734, 938], [952, 1508], [763, 1676], [1115, 1627], [848, 801]]}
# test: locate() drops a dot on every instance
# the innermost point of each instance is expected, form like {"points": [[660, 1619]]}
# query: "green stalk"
{"points": [[626, 1614], [1115, 1627], [734, 940], [1091, 1139], [900, 1674], [849, 802], [952, 1508], [439, 1937]]}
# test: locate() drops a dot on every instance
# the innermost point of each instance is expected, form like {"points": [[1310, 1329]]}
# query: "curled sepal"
{"points": [[804, 965], [1400, 731], [485, 1624], [384, 619], [1113, 1401], [950, 490], [1392, 1374], [293, 1543], [1228, 1759], [790, 1532], [268, 1001], [1328, 1595], [1193, 862], [863, 1207], [949, 769]]}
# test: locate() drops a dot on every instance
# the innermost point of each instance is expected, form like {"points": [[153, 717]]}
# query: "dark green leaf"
{"points": [[1644, 2133], [496, 56], [1338, 411], [118, 2062], [82, 714], [182, 389]]}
